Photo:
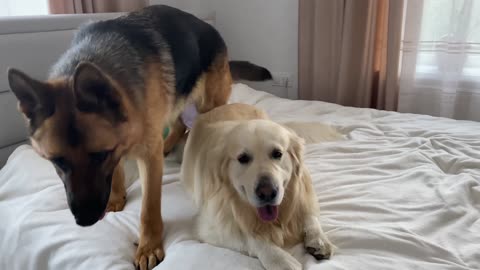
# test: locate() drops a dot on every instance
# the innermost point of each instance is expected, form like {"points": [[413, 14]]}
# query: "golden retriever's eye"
{"points": [[276, 154], [244, 158], [99, 157]]}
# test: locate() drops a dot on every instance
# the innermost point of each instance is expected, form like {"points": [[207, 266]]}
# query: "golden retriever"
{"points": [[254, 194]]}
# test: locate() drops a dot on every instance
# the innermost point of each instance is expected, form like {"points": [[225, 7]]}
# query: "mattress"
{"points": [[401, 192]]}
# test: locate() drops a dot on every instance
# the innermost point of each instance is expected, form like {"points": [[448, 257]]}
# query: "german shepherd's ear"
{"points": [[35, 99], [94, 93]]}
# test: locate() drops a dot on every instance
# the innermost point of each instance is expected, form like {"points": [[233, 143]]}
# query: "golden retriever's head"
{"points": [[264, 157]]}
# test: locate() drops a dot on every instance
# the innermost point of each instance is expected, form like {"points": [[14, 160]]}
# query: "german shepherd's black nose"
{"points": [[266, 192], [87, 213]]}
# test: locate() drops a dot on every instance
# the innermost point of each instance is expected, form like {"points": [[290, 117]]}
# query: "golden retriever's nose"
{"points": [[266, 192]]}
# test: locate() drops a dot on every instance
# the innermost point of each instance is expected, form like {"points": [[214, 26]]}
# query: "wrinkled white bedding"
{"points": [[402, 192]]}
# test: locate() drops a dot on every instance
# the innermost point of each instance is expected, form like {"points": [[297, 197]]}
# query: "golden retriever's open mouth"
{"points": [[268, 213]]}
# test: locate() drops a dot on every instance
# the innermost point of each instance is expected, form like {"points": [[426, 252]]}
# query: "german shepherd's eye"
{"points": [[276, 154], [244, 158], [99, 157], [61, 163]]}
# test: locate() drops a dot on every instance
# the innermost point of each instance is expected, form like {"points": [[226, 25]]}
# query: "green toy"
{"points": [[166, 130]]}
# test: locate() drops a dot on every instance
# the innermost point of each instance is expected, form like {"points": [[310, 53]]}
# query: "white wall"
{"points": [[264, 32]]}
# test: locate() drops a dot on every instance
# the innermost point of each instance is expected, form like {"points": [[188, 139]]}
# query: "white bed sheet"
{"points": [[403, 192]]}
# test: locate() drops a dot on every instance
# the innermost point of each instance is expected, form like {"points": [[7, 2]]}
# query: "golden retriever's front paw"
{"points": [[319, 248], [149, 254], [282, 262], [116, 202]]}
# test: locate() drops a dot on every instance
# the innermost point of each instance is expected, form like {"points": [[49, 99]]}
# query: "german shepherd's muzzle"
{"points": [[87, 188]]}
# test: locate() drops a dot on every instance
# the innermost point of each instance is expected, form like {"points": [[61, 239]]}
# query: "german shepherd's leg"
{"points": [[177, 131], [150, 247], [218, 85], [118, 198]]}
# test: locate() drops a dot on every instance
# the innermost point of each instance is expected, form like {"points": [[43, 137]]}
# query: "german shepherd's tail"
{"points": [[244, 70]]}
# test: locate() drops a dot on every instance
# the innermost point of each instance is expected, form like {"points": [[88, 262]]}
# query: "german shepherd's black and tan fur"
{"points": [[111, 95]]}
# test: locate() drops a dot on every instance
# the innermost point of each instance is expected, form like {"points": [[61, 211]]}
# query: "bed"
{"points": [[402, 191]]}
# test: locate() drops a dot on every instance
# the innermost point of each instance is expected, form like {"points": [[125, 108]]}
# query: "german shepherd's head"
{"points": [[80, 124]]}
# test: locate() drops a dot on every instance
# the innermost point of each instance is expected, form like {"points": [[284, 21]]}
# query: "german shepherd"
{"points": [[111, 94]]}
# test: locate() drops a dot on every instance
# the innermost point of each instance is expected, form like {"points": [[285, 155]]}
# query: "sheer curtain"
{"points": [[440, 60]]}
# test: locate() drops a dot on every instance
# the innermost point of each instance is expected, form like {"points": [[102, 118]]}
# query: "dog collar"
{"points": [[189, 115], [166, 130], [188, 118]]}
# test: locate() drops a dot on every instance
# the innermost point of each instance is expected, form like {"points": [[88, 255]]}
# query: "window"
{"points": [[23, 7], [440, 64], [449, 39]]}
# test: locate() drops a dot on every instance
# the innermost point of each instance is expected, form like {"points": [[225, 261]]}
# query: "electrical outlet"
{"points": [[281, 79]]}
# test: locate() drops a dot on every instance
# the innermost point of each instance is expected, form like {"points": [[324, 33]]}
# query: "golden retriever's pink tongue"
{"points": [[268, 212]]}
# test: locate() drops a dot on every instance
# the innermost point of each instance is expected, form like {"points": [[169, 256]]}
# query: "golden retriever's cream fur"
{"points": [[223, 189]]}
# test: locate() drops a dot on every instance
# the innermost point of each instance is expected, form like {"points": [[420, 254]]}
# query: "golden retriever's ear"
{"points": [[223, 168], [295, 151], [214, 171]]}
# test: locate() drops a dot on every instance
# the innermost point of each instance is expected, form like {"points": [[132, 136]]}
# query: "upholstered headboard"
{"points": [[32, 44]]}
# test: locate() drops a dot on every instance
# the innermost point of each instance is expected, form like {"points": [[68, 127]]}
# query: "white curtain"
{"points": [[440, 59]]}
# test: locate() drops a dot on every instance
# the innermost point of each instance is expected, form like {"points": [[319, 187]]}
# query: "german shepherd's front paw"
{"points": [[116, 202], [149, 253]]}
